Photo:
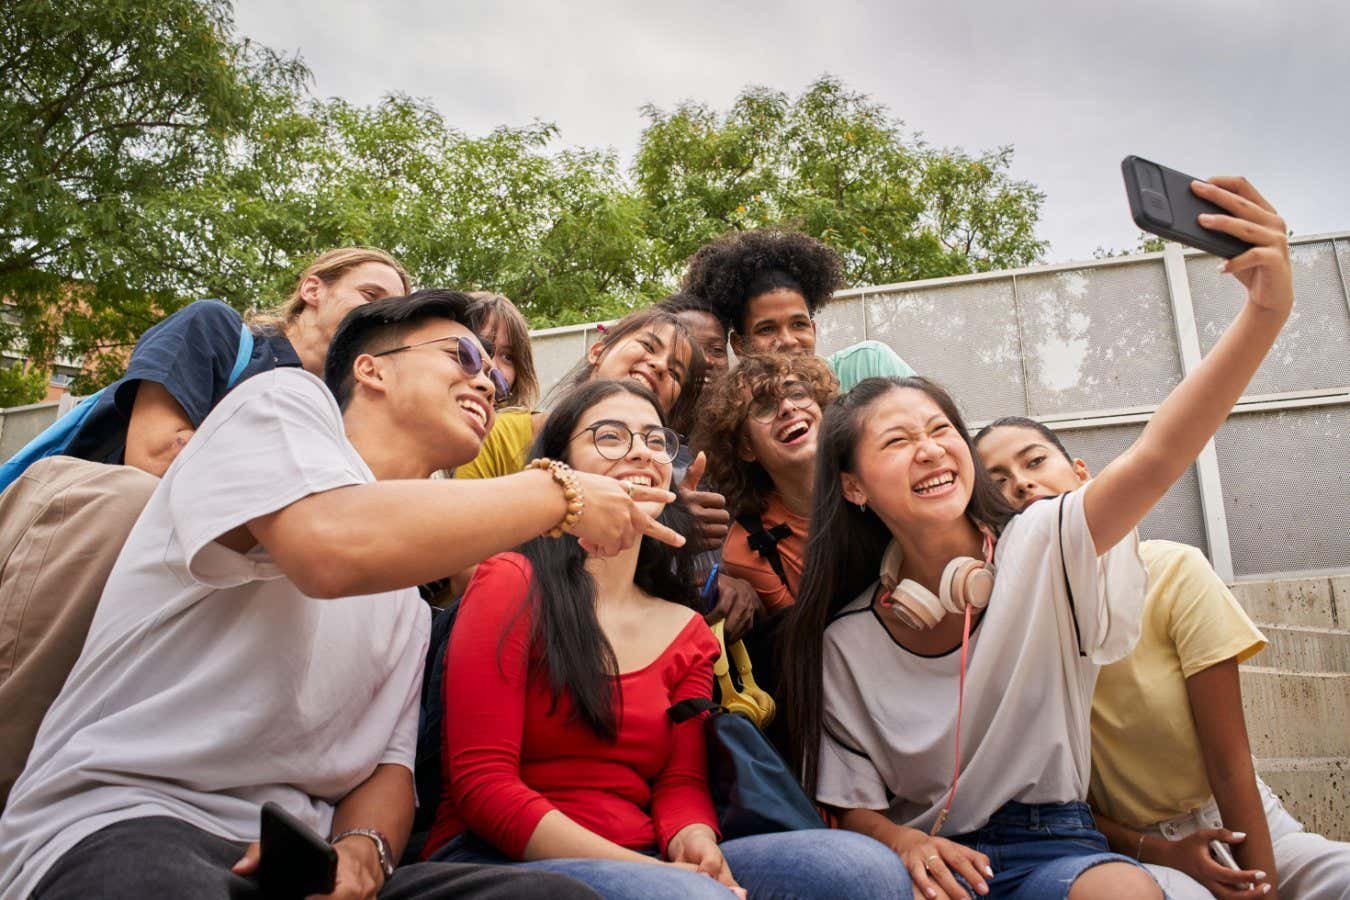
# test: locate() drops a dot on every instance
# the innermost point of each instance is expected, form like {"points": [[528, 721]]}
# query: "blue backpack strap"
{"points": [[52, 441], [241, 358]]}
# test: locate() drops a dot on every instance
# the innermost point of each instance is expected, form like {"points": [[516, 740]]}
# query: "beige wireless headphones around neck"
{"points": [[966, 582]]}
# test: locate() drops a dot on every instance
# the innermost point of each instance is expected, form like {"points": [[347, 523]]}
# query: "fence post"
{"points": [[1207, 464]]}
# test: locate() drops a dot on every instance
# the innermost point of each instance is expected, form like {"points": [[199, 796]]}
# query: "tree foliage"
{"points": [[1146, 243], [108, 105], [20, 386], [835, 164], [148, 157]]}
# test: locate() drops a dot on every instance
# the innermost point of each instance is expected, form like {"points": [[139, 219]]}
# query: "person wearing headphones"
{"points": [[943, 650]]}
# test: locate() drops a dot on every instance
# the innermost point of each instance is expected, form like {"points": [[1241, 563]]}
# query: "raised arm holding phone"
{"points": [[1048, 595]]}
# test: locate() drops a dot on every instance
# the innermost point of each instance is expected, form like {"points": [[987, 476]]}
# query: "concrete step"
{"points": [[1304, 649], [1292, 715], [1305, 602], [1315, 791]]}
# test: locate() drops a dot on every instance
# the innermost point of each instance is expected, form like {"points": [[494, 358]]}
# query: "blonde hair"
{"points": [[327, 267], [493, 308]]}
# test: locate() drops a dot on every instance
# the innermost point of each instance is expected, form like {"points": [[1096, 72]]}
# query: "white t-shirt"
{"points": [[209, 683], [890, 714]]}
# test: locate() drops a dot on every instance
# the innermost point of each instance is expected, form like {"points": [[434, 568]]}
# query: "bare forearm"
{"points": [[1120, 839], [1194, 411], [157, 431], [874, 825], [1118, 499], [384, 802], [1215, 694], [394, 534], [1241, 809], [558, 837]]}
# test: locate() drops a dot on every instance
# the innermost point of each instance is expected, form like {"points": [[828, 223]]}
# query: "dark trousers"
{"points": [[165, 857]]}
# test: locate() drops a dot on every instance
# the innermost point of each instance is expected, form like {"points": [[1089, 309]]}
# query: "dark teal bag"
{"points": [[752, 788]]}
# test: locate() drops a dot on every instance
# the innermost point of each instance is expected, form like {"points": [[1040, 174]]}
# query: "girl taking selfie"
{"points": [[941, 661]]}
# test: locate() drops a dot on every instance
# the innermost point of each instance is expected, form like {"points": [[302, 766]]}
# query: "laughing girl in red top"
{"points": [[560, 669]]}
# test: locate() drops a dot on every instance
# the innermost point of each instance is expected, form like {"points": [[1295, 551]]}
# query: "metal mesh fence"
{"points": [[1084, 343], [1313, 351], [964, 336], [1285, 489], [1177, 517], [840, 324], [1098, 338]]}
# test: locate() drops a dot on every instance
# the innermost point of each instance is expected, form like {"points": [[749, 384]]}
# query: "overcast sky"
{"points": [[1208, 87]]}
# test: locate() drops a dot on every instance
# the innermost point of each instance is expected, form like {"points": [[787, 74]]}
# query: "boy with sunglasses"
{"points": [[260, 637]]}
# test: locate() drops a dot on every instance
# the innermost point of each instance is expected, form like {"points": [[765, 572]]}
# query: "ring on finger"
{"points": [[629, 487]]}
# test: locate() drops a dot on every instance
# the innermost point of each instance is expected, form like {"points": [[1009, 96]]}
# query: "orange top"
{"points": [[742, 562]]}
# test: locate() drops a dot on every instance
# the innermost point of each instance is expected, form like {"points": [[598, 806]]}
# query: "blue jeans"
{"points": [[794, 864], [1037, 851]]}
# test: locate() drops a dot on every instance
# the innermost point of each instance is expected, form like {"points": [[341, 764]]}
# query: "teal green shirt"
{"points": [[867, 359]]}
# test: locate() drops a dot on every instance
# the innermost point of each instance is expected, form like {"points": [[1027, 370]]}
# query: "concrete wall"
{"points": [[1093, 348]]}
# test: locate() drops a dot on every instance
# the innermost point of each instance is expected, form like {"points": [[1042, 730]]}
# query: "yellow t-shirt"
{"points": [[504, 448], [1146, 762]]}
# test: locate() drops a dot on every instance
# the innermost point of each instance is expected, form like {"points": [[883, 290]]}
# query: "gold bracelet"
{"points": [[562, 473]]}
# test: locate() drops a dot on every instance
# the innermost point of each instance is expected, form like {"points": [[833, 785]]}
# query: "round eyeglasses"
{"points": [[470, 359], [764, 406], [614, 440]]}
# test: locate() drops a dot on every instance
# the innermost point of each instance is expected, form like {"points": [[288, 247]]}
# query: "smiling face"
{"points": [[656, 357], [639, 465], [911, 464], [785, 444], [430, 394], [497, 334], [711, 338], [1026, 467], [354, 287], [778, 321]]}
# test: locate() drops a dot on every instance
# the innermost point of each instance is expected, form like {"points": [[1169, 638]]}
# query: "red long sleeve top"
{"points": [[510, 756]]}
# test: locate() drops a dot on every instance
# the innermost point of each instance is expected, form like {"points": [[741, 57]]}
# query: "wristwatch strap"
{"points": [[381, 845]]}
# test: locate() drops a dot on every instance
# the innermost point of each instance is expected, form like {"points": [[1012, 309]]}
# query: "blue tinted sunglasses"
{"points": [[470, 359]]}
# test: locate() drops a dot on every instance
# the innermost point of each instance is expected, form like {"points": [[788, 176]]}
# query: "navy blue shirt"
{"points": [[191, 353]]}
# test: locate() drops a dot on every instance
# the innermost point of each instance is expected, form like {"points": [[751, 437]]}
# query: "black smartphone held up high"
{"points": [[1162, 203], [295, 861]]}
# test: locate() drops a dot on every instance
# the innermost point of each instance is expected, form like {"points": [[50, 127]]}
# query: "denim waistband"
{"points": [[1036, 815]]}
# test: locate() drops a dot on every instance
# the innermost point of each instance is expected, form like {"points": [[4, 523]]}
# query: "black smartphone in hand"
{"points": [[295, 861], [1162, 203]]}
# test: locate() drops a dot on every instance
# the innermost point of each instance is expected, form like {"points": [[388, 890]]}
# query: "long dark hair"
{"points": [[844, 550], [567, 641]]}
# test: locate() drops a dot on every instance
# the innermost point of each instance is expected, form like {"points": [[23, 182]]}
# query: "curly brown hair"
{"points": [[736, 267], [724, 408]]}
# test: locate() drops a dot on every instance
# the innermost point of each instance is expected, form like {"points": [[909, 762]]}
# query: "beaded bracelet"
{"points": [[562, 473]]}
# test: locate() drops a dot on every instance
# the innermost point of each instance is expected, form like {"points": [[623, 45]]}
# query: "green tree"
{"points": [[1146, 243], [20, 386], [835, 164], [108, 105], [149, 157], [558, 232]]}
